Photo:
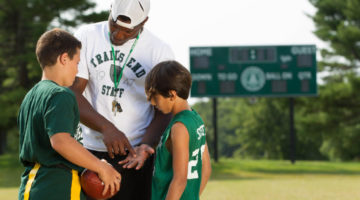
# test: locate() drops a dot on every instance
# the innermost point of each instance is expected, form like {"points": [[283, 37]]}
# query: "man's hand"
{"points": [[142, 153], [116, 142]]}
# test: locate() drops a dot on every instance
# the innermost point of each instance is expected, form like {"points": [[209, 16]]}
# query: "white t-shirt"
{"points": [[96, 65]]}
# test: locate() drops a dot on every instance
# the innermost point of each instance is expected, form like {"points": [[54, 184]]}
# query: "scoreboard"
{"points": [[279, 71]]}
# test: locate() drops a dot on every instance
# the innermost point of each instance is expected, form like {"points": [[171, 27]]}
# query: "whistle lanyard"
{"points": [[117, 79]]}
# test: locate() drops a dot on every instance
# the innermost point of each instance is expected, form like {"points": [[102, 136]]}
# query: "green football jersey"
{"points": [[47, 109], [163, 170]]}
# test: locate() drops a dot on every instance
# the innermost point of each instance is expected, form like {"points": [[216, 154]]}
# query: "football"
{"points": [[92, 185]]}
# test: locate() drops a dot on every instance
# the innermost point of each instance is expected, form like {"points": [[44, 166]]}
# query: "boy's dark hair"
{"points": [[52, 44], [166, 76]]}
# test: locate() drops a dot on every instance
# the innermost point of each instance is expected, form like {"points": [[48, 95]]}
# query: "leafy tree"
{"points": [[251, 129], [337, 111], [265, 131], [227, 122], [337, 22], [331, 121], [22, 24]]}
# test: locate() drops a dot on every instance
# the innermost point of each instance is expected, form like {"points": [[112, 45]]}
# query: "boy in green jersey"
{"points": [[48, 120], [182, 163]]}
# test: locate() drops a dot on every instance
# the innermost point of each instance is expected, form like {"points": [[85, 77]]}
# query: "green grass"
{"points": [[235, 179], [280, 180], [10, 172]]}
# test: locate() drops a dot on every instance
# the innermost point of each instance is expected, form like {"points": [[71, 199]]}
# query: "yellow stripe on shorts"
{"points": [[31, 179], [75, 186]]}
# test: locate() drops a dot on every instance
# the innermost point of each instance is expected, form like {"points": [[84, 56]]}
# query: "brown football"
{"points": [[92, 185]]}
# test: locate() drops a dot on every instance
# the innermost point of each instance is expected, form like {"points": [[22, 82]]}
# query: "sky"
{"points": [[186, 23]]}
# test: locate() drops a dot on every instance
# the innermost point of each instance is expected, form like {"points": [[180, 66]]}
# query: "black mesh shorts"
{"points": [[135, 184]]}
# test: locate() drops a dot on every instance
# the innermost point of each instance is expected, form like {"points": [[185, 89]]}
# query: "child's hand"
{"points": [[142, 153], [110, 177]]}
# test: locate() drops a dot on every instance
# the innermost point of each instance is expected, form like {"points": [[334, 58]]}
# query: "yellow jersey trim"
{"points": [[75, 186], [31, 179]]}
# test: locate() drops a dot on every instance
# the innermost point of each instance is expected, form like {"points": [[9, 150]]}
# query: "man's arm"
{"points": [[114, 140], [206, 169]]}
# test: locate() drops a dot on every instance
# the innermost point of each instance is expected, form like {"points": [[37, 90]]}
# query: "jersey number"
{"points": [[193, 162]]}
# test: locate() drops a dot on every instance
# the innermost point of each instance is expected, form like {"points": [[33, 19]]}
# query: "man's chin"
{"points": [[118, 43]]}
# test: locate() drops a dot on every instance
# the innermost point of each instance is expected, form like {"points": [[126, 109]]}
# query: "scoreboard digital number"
{"points": [[240, 55], [286, 70]]}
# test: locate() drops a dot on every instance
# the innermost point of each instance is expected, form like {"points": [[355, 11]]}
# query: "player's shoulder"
{"points": [[190, 118], [66, 91], [178, 127], [49, 90], [181, 119], [52, 89], [184, 115], [64, 95]]}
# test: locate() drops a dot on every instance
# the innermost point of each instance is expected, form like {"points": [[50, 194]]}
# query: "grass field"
{"points": [[280, 180], [234, 179], [10, 171]]}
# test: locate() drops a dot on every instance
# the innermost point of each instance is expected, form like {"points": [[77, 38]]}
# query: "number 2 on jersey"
{"points": [[193, 162]]}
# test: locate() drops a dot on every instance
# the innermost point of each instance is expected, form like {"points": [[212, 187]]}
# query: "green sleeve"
{"points": [[60, 114]]}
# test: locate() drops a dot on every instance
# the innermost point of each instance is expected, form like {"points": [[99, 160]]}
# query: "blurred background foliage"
{"points": [[22, 23]]}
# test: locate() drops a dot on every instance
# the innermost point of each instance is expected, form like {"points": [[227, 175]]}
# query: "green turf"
{"points": [[235, 179], [10, 172], [280, 180]]}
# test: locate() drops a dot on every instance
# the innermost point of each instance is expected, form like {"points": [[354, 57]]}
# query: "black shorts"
{"points": [[135, 184]]}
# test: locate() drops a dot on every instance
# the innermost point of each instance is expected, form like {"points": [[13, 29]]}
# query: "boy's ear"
{"points": [[173, 94], [63, 58]]}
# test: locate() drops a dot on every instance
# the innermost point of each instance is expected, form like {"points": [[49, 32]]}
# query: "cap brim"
{"points": [[123, 24]]}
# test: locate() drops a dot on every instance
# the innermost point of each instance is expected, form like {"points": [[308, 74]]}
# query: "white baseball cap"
{"points": [[136, 10]]}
